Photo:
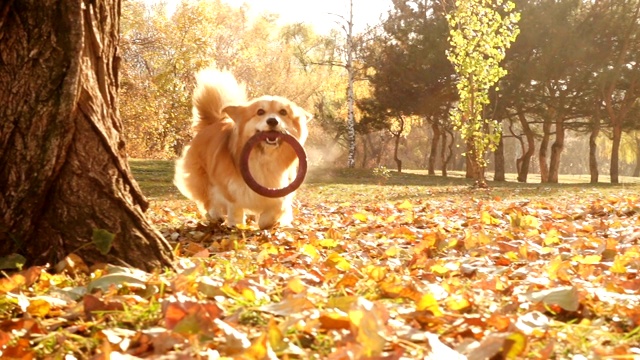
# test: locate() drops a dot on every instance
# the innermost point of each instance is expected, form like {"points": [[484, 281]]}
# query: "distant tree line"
{"points": [[572, 80], [574, 67]]}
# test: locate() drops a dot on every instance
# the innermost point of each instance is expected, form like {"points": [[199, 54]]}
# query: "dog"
{"points": [[208, 171]]}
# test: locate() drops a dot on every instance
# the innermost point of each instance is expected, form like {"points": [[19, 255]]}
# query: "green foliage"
{"points": [[103, 240], [480, 33]]}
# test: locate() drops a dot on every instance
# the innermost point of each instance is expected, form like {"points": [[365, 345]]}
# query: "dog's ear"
{"points": [[300, 113], [237, 112]]}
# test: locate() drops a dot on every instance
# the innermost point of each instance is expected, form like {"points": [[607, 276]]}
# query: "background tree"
{"points": [[617, 44], [63, 157], [409, 72], [480, 33]]}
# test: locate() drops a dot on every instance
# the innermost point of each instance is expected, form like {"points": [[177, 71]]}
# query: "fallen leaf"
{"points": [[566, 297]]}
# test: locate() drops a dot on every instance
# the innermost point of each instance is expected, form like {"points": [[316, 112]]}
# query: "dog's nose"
{"points": [[272, 122]]}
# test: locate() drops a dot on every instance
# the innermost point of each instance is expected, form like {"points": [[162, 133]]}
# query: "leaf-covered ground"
{"points": [[409, 266]]}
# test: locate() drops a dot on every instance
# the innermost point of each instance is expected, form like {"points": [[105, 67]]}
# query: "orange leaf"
{"points": [[39, 308], [334, 320], [23, 278]]}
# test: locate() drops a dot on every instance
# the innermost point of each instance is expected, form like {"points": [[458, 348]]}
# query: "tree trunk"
{"points": [[593, 148], [444, 156], [470, 164], [498, 174], [397, 136], [636, 170], [351, 122], [542, 155], [395, 152], [523, 171], [63, 158], [365, 149], [475, 170], [615, 152], [433, 153], [519, 160], [556, 152]]}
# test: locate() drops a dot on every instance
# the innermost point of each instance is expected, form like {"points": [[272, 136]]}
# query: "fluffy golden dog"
{"points": [[208, 171]]}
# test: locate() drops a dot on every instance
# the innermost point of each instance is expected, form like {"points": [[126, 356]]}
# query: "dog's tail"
{"points": [[214, 91]]}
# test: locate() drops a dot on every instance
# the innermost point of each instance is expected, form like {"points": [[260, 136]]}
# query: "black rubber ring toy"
{"points": [[265, 191]]}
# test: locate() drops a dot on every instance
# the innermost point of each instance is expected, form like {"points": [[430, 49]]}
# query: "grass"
{"points": [[155, 177]]}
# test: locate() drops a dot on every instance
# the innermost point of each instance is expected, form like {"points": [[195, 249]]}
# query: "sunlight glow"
{"points": [[324, 15]]}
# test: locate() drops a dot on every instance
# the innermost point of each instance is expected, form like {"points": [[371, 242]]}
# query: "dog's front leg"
{"points": [[235, 216], [269, 218]]}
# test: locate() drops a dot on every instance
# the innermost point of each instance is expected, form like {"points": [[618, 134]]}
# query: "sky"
{"points": [[319, 12]]}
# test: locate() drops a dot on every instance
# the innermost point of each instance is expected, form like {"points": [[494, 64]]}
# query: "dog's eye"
{"points": [[283, 112], [261, 112]]}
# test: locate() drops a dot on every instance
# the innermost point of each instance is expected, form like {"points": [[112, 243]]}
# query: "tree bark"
{"points": [[593, 148], [433, 153], [523, 171], [397, 136], [498, 174], [395, 153], [62, 154], [542, 155], [556, 152], [615, 152], [365, 150], [351, 122], [444, 155], [636, 170]]}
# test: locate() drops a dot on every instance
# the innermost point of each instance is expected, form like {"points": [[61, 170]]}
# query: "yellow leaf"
{"points": [[338, 262], [296, 285], [369, 326], [514, 345], [619, 265], [587, 260], [328, 243], [524, 251], [392, 251], [428, 302], [310, 251], [376, 273], [249, 294], [553, 267], [483, 238], [470, 240], [406, 205], [360, 217], [457, 303], [511, 255], [525, 222], [259, 349], [551, 237], [39, 308], [487, 219], [439, 269], [275, 336]]}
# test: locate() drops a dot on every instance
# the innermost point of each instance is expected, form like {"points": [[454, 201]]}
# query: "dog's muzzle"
{"points": [[273, 141]]}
